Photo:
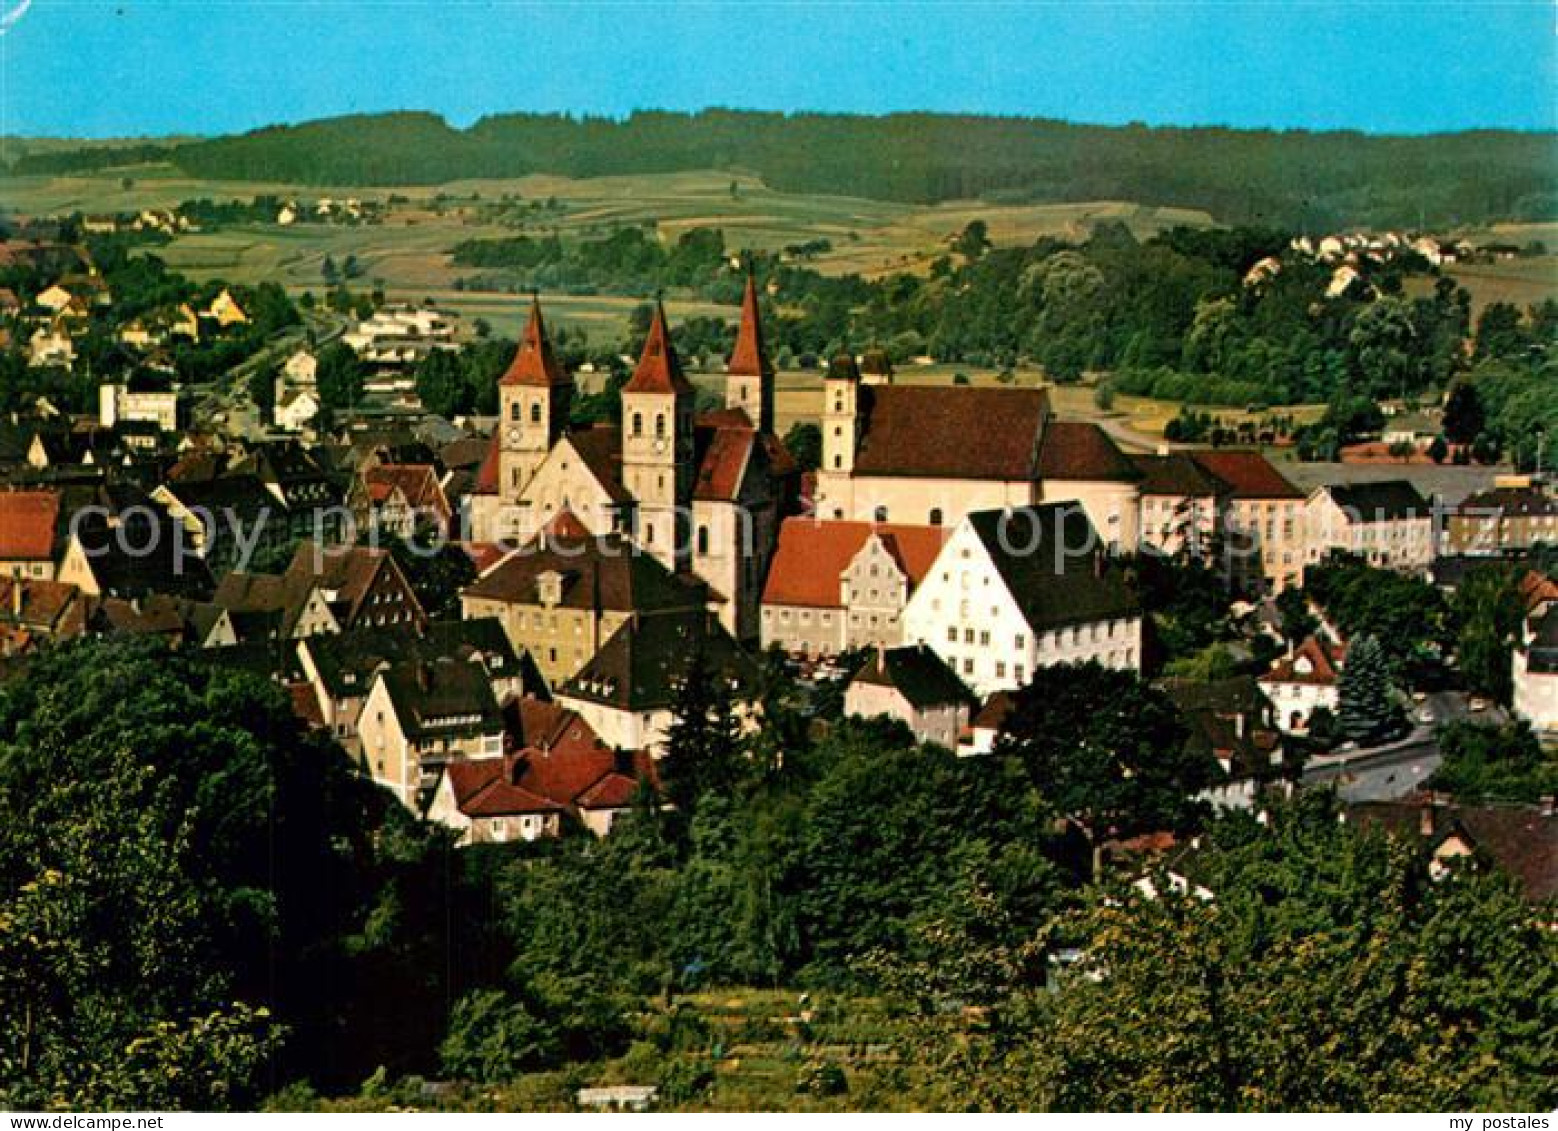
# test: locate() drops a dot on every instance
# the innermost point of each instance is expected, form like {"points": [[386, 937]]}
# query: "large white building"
{"points": [[1387, 524], [1535, 670], [928, 455], [1016, 589]]}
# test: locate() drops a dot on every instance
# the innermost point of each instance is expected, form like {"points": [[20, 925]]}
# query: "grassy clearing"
{"points": [[1523, 282]]}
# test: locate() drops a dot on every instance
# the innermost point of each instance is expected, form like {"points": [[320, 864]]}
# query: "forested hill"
{"points": [[1292, 179]]}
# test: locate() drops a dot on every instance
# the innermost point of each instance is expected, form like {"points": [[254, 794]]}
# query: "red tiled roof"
{"points": [[305, 703], [534, 362], [811, 555], [1250, 474], [1078, 450], [1324, 662], [418, 483], [749, 359], [724, 461], [484, 555], [658, 370], [951, 432], [29, 524], [1537, 589], [487, 473], [483, 788]]}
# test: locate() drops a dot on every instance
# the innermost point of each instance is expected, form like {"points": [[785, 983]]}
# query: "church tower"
{"points": [[840, 437], [749, 381], [535, 395], [657, 447]]}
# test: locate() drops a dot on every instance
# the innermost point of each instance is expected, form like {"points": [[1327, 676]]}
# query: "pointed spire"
{"points": [[750, 358], [534, 362], [658, 370]]}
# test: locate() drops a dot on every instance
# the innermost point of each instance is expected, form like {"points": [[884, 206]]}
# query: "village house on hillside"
{"points": [[1302, 682]]}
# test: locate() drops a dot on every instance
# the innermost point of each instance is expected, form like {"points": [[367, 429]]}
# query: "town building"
{"points": [[1387, 524], [1264, 547], [914, 685], [1534, 669], [627, 690], [32, 533], [420, 716], [1182, 505], [561, 596], [1516, 514], [325, 589], [1015, 589], [836, 586], [339, 669], [558, 773]]}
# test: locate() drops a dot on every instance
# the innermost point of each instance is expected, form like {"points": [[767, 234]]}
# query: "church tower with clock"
{"points": [[535, 395]]}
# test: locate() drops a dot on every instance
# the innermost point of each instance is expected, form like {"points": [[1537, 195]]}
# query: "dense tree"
{"points": [[704, 751], [1107, 750], [1463, 415], [180, 866], [1313, 967], [804, 443], [1488, 610], [1484, 763], [339, 376]]}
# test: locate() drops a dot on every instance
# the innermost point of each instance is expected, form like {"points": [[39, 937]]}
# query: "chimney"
{"points": [[16, 602], [1425, 816], [1098, 564], [881, 659]]}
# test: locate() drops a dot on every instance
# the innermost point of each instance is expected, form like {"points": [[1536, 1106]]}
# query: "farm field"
{"points": [[1523, 282], [407, 251]]}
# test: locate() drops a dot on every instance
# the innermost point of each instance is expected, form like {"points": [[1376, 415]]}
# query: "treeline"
{"points": [[1296, 178]]}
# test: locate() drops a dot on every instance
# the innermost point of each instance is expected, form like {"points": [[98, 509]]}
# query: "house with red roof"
{"points": [[835, 586], [31, 533], [400, 499], [1263, 520], [556, 772], [1305, 680]]}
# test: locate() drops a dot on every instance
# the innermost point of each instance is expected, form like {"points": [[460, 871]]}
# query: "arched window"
{"points": [[514, 411], [838, 462], [638, 424], [535, 412], [660, 426], [935, 516], [703, 539], [881, 514]]}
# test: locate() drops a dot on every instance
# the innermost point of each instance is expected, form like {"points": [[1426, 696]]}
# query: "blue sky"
{"points": [[84, 68]]}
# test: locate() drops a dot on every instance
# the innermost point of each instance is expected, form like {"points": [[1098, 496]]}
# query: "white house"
{"points": [[914, 685], [1300, 683], [1387, 524], [1015, 589], [1535, 670]]}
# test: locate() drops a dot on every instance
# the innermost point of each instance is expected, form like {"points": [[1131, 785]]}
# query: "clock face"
{"points": [[513, 435]]}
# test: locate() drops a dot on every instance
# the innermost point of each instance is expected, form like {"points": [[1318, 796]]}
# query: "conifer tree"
{"points": [[1368, 712], [703, 744]]}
